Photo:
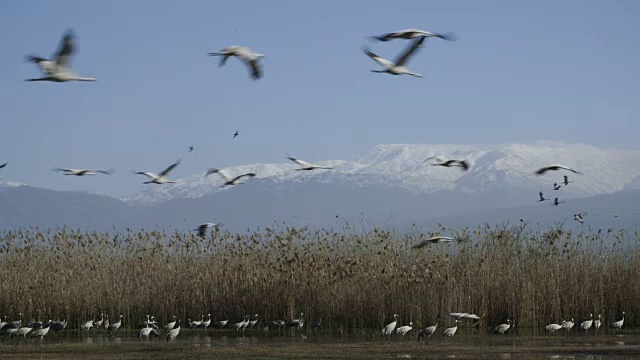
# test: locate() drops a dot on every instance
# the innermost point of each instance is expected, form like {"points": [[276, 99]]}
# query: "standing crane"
{"points": [[427, 332], [586, 325], [388, 330]]}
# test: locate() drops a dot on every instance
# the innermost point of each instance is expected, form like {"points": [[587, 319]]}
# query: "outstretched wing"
{"points": [[385, 37], [464, 164], [243, 175], [220, 172], [569, 169], [380, 60], [65, 49], [256, 71], [441, 238], [3, 165], [150, 175], [542, 170], [106, 172], [411, 49], [300, 162], [166, 171]]}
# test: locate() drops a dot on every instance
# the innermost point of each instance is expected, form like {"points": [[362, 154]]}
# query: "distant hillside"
{"points": [[25, 206]]}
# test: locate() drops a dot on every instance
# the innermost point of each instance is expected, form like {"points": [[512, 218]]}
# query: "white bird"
{"points": [[171, 325], [87, 325], [245, 323], [553, 327], [160, 178], [597, 323], [433, 240], [195, 324], [409, 34], [502, 328], [388, 330], [404, 329], [245, 54], [228, 180], [106, 323], [174, 332], [85, 172], [116, 325], [58, 69], [451, 331], [463, 164], [397, 68], [618, 324], [568, 325], [23, 331], [253, 322], [42, 332], [239, 325], [586, 325], [205, 324], [427, 332], [98, 323], [579, 217], [461, 316], [148, 331], [202, 229], [555, 167], [307, 165]]}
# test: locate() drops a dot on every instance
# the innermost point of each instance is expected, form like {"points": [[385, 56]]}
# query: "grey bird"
{"points": [[555, 167], [409, 34], [463, 164], [398, 67], [228, 180]]}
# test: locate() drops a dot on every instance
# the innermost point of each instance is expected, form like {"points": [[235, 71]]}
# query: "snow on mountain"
{"points": [[493, 168], [7, 183]]}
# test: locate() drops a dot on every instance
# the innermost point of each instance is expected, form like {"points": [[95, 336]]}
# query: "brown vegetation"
{"points": [[351, 280]]}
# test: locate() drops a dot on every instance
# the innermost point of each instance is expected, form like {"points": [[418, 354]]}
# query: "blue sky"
{"points": [[522, 71]]}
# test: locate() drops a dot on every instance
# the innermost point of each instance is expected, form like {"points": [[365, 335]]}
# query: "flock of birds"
{"points": [[148, 328], [58, 69], [427, 332], [152, 328], [579, 217]]}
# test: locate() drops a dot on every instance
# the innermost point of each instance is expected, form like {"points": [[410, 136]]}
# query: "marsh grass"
{"points": [[350, 280]]}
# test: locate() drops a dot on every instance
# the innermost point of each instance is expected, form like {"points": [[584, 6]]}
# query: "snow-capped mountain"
{"points": [[493, 168]]}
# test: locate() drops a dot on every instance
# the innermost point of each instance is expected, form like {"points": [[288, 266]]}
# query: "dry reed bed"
{"points": [[351, 280]]}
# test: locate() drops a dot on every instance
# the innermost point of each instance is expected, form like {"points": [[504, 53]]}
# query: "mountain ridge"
{"points": [[493, 167]]}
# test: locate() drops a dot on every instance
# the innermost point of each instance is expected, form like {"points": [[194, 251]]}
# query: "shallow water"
{"points": [[468, 343]]}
